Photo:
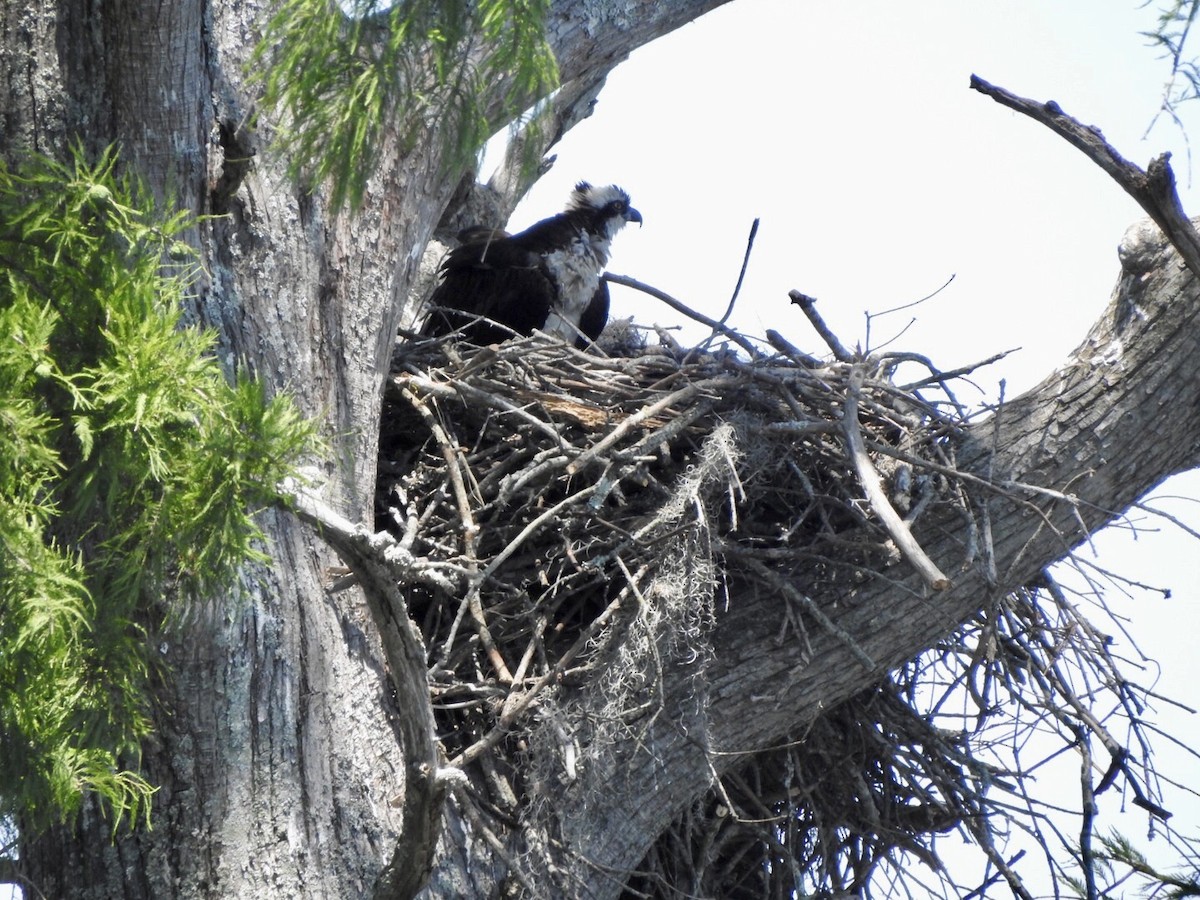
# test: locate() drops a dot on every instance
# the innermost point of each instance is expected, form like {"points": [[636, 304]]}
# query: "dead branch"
{"points": [[869, 479], [809, 307], [1153, 189], [718, 327]]}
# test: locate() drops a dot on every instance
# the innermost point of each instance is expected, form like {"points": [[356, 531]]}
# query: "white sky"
{"points": [[850, 130]]}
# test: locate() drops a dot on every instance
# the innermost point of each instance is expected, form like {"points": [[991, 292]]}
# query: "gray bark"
{"points": [[279, 747]]}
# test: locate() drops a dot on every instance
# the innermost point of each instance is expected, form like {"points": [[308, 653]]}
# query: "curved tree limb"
{"points": [[588, 42], [597, 35], [423, 790], [1153, 189], [570, 105]]}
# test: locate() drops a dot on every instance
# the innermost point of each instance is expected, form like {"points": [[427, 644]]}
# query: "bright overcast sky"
{"points": [[876, 172], [850, 130]]}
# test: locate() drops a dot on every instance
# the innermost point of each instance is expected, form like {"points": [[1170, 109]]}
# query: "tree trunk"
{"points": [[277, 748]]}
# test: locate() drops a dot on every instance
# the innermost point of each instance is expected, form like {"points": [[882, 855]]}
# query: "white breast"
{"points": [[577, 271]]}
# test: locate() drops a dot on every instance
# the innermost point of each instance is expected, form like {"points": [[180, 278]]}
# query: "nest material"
{"points": [[560, 499], [574, 518], [534, 478]]}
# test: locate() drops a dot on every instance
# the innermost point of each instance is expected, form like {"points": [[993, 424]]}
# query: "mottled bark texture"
{"points": [[279, 749]]}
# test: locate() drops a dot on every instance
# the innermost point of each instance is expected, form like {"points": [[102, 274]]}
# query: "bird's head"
{"points": [[606, 208]]}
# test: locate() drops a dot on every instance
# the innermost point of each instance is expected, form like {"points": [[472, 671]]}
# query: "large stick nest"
{"points": [[531, 472], [578, 518]]}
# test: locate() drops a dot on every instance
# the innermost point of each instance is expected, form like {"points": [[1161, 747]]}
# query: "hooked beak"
{"points": [[632, 215]]}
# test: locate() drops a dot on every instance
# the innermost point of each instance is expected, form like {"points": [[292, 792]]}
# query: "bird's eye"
{"points": [[619, 206]]}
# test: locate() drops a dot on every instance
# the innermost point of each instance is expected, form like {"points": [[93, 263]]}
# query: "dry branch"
{"points": [[718, 327], [808, 305], [1153, 189], [869, 479]]}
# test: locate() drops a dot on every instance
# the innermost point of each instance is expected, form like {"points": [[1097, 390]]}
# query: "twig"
{"points": [[460, 387], [678, 306], [876, 496], [512, 866], [895, 309], [913, 303], [455, 465], [1174, 44], [680, 396], [516, 704], [942, 377], [666, 434], [808, 305], [737, 288], [804, 601], [1087, 825], [791, 351], [529, 530]]}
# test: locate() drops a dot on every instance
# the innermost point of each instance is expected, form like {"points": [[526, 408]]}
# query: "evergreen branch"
{"points": [[345, 81], [130, 471]]}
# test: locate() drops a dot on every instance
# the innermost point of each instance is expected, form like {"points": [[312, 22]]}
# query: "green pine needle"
{"points": [[130, 472], [345, 80]]}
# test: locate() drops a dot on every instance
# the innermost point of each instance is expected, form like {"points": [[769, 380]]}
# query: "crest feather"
{"points": [[585, 196]]}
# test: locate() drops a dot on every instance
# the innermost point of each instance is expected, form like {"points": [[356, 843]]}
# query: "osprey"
{"points": [[546, 277]]}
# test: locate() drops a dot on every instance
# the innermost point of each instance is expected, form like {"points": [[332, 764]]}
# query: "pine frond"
{"points": [[131, 469], [346, 76]]}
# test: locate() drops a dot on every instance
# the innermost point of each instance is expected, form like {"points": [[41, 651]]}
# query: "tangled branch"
{"points": [[579, 516]]}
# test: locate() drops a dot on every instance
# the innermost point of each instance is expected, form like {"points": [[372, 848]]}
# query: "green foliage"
{"points": [[129, 471], [1118, 851], [347, 75], [1171, 35], [1127, 872]]}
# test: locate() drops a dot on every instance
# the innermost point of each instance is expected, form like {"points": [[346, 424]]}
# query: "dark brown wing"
{"points": [[489, 278], [595, 316]]}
